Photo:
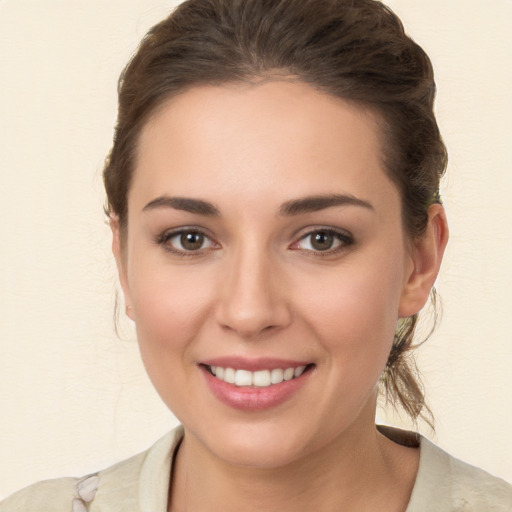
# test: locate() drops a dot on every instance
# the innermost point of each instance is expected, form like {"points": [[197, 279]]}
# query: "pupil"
{"points": [[322, 241], [192, 241]]}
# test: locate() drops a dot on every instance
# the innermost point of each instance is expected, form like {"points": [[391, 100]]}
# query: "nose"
{"points": [[253, 296]]}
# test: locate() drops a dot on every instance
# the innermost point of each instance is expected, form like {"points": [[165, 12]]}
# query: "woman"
{"points": [[273, 192]]}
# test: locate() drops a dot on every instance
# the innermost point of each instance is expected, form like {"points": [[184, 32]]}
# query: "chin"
{"points": [[261, 445], [260, 453]]}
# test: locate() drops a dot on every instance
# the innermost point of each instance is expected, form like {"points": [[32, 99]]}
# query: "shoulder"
{"points": [[37, 497], [115, 488], [450, 484], [73, 494], [474, 487]]}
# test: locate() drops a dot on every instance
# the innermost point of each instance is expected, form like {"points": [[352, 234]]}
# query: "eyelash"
{"points": [[344, 238], [164, 240]]}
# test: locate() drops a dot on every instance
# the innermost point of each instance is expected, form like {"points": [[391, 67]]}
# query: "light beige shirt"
{"points": [[141, 484]]}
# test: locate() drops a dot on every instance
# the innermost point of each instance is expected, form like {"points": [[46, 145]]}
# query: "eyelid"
{"points": [[165, 236], [343, 236]]}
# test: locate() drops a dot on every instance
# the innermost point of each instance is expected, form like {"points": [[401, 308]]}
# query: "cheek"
{"points": [[169, 308], [354, 311]]}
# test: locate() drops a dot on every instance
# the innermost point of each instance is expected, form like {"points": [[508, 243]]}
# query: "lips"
{"points": [[254, 385]]}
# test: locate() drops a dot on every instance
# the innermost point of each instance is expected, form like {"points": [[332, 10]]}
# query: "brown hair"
{"points": [[352, 49]]}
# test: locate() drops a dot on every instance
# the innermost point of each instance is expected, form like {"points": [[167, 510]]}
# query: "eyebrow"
{"points": [[186, 204], [311, 204], [299, 206]]}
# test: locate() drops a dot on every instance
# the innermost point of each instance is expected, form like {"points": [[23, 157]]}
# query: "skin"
{"points": [[257, 287]]}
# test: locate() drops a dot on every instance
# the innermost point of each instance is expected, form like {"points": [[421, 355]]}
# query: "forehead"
{"points": [[266, 138]]}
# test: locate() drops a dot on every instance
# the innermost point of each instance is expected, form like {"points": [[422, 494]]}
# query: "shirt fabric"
{"points": [[141, 484]]}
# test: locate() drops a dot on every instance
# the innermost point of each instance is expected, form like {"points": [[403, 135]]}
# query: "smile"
{"points": [[260, 378], [255, 385]]}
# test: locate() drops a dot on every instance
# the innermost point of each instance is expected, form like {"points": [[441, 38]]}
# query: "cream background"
{"points": [[73, 397]]}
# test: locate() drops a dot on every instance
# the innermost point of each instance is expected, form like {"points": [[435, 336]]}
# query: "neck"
{"points": [[336, 477]]}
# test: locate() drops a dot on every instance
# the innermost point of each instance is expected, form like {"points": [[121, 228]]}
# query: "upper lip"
{"points": [[254, 364]]}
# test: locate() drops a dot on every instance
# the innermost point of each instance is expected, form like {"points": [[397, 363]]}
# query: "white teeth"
{"points": [[229, 375], [276, 376], [288, 373], [243, 378], [299, 371], [260, 378]]}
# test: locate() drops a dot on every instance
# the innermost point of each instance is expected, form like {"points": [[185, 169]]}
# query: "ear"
{"points": [[121, 263], [426, 254]]}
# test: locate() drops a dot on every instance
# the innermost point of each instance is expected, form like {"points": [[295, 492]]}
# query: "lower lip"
{"points": [[252, 398]]}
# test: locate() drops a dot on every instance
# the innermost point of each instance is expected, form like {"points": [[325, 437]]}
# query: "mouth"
{"points": [[255, 385], [260, 378]]}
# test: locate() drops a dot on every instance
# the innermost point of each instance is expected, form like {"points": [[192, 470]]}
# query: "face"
{"points": [[265, 267]]}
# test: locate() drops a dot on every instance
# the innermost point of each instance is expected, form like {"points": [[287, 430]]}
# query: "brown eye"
{"points": [[186, 241], [192, 241], [322, 241]]}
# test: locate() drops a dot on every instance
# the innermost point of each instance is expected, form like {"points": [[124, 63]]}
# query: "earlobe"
{"points": [[427, 254], [120, 257]]}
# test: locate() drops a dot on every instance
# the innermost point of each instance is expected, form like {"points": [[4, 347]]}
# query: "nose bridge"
{"points": [[252, 300]]}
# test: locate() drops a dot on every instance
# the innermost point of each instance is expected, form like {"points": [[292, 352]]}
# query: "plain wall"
{"points": [[74, 397]]}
